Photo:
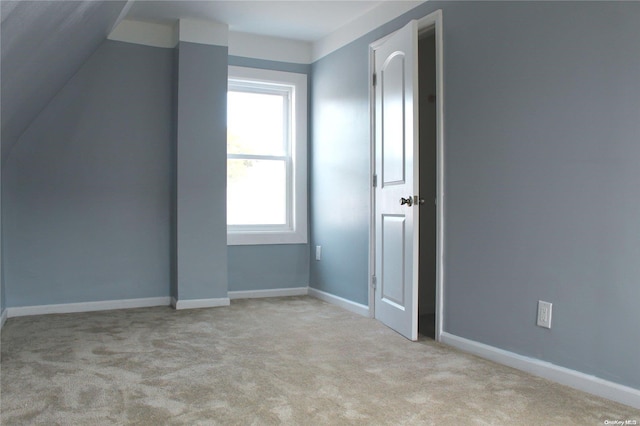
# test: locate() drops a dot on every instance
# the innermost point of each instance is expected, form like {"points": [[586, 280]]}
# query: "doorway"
{"points": [[427, 182], [407, 245]]}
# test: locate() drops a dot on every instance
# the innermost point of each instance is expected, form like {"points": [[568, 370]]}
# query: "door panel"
{"points": [[396, 153], [393, 241], [392, 119]]}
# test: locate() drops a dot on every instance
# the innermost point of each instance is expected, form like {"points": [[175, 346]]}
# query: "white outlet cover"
{"points": [[318, 252], [544, 314]]}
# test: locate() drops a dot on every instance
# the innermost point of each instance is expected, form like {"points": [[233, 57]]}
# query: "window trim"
{"points": [[296, 233]]}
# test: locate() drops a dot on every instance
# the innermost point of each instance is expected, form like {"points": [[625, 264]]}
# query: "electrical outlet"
{"points": [[318, 252], [544, 314]]}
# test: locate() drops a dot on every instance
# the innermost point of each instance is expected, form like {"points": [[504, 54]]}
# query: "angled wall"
{"points": [[39, 36]]}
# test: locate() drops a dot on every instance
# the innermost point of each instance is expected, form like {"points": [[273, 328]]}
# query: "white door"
{"points": [[396, 168]]}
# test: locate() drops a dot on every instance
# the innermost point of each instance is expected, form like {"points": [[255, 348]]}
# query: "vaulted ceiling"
{"points": [[43, 45]]}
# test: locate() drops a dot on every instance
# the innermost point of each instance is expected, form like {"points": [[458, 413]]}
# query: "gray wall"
{"points": [[174, 176], [2, 296], [201, 167], [542, 112], [37, 36], [542, 182], [269, 266], [339, 173], [86, 189], [135, 87], [241, 61]]}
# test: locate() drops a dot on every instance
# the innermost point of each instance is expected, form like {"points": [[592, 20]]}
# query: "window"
{"points": [[266, 157]]}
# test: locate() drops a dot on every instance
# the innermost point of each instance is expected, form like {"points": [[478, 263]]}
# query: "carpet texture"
{"points": [[294, 361]]}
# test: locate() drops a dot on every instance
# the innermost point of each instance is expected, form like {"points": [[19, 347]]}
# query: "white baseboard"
{"points": [[339, 301], [104, 305], [200, 303], [276, 292], [575, 379], [3, 318]]}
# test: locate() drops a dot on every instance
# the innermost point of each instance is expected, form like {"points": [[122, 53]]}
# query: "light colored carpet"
{"points": [[263, 361]]}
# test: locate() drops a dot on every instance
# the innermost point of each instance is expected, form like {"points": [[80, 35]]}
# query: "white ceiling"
{"points": [[295, 19]]}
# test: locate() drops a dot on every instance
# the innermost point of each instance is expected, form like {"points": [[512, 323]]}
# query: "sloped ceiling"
{"points": [[43, 44]]}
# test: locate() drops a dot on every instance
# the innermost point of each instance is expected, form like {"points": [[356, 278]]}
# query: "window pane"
{"points": [[256, 192], [255, 123]]}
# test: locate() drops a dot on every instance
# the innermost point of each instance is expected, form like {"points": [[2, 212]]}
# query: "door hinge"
{"points": [[375, 79], [375, 181], [374, 282]]}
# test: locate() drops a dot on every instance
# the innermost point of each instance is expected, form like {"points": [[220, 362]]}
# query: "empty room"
{"points": [[320, 212]]}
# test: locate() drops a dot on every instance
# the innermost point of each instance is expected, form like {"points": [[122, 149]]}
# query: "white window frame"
{"points": [[296, 230]]}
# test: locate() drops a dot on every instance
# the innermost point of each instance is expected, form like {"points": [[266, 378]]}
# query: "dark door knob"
{"points": [[407, 201]]}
